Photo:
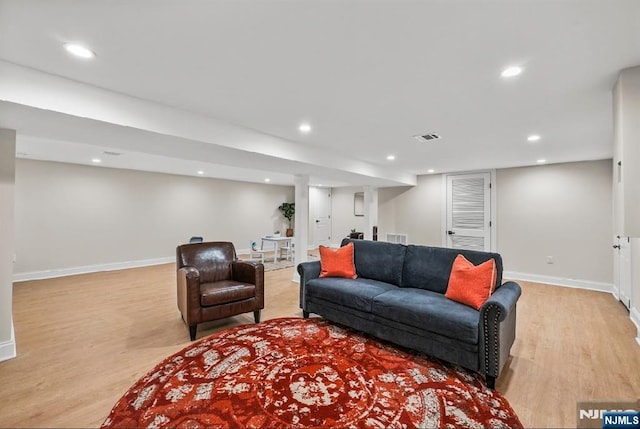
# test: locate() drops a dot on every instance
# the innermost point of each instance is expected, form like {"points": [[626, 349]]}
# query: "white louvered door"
{"points": [[469, 211]]}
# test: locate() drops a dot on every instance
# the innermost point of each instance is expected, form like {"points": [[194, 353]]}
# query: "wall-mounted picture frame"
{"points": [[358, 204]]}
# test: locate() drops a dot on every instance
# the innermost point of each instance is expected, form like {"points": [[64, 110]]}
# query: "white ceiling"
{"points": [[367, 75]]}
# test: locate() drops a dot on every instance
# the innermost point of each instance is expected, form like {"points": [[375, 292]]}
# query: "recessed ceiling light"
{"points": [[431, 170], [511, 71], [304, 128], [96, 160], [541, 161], [200, 172], [267, 180], [391, 157], [533, 138], [79, 50]]}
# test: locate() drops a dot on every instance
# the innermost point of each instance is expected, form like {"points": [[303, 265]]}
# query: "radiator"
{"points": [[393, 237]]}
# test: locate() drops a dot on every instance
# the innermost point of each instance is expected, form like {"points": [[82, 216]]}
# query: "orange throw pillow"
{"points": [[337, 262], [470, 284]]}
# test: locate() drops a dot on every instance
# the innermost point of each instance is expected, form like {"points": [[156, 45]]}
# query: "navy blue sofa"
{"points": [[399, 297]]}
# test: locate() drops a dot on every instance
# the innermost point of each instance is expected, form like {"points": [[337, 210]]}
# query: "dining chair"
{"points": [[256, 252]]}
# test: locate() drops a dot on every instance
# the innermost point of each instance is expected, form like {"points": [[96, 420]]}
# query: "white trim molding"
{"points": [[8, 348], [560, 281], [61, 272], [634, 314]]}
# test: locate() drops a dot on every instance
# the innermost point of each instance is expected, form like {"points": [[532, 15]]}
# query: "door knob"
{"points": [[616, 246], [317, 220], [450, 232]]}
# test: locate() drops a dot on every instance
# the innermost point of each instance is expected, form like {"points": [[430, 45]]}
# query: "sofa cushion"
{"points": [[429, 311], [353, 293], [429, 267], [470, 284], [337, 262], [378, 260]]}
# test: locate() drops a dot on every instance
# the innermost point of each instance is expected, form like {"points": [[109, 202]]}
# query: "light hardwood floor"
{"points": [[84, 340]]}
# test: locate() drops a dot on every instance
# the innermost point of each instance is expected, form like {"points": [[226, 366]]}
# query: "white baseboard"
{"points": [[8, 348], [61, 272], [560, 281], [634, 314]]}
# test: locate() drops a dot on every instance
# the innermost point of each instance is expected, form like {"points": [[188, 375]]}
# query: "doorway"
{"points": [[468, 215], [320, 199], [624, 268]]}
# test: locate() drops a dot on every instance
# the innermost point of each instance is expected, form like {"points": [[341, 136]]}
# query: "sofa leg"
{"points": [[491, 382], [256, 316], [305, 314], [192, 331]]}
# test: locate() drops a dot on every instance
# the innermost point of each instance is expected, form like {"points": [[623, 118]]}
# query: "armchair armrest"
{"points": [[188, 292], [308, 271], [247, 272], [498, 329], [250, 273]]}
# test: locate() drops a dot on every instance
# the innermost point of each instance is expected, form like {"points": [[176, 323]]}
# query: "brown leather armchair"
{"points": [[213, 284]]}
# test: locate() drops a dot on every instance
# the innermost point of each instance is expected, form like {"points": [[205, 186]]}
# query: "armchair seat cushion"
{"points": [[429, 311], [224, 292]]}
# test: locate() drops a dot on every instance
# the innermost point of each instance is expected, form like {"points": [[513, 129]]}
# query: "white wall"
{"points": [[7, 179], [561, 210], [71, 216], [342, 218]]}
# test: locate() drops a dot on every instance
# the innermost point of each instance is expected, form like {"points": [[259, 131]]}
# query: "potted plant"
{"points": [[288, 211]]}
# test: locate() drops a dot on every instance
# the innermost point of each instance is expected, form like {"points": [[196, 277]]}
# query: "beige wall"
{"points": [[415, 211], [626, 180], [626, 111], [7, 179], [560, 210], [70, 216], [342, 218]]}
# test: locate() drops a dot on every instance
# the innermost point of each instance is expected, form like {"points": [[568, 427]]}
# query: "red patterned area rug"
{"points": [[301, 373]]}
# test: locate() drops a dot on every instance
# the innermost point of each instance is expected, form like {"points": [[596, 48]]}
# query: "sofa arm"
{"points": [[308, 271], [250, 273], [502, 301], [498, 328], [188, 293]]}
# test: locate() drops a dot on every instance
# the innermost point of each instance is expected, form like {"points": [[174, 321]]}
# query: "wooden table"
{"points": [[277, 242]]}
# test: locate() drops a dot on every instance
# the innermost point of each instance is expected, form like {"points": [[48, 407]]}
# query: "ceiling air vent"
{"points": [[426, 137], [108, 152]]}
